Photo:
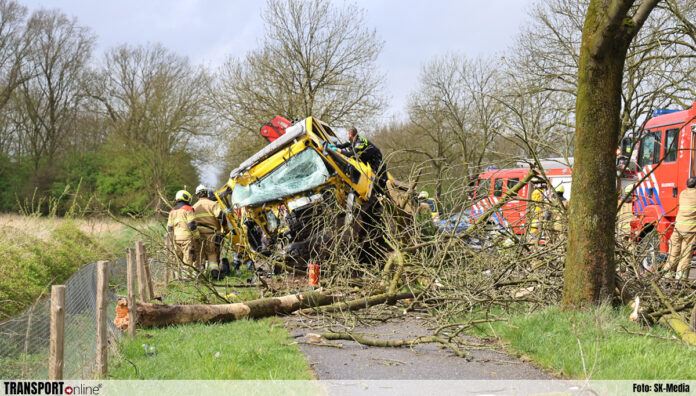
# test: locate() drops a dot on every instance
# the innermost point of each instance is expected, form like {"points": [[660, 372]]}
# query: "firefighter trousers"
{"points": [[681, 246], [208, 251], [185, 250]]}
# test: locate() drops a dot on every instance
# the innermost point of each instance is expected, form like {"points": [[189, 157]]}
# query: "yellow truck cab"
{"points": [[272, 196]]}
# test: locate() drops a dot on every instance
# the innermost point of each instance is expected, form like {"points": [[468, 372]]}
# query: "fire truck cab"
{"points": [[665, 159], [494, 183]]}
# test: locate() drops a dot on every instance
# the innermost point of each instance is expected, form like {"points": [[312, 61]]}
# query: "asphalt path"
{"points": [[353, 361]]}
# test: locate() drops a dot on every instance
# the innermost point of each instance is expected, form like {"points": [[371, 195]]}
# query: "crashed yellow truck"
{"points": [[296, 198]]}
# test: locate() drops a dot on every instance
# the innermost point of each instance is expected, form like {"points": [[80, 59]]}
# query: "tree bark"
{"points": [[360, 303], [150, 315], [679, 325], [361, 339], [607, 33]]}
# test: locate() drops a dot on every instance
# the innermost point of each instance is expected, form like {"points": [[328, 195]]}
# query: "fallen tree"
{"points": [[360, 303], [361, 339], [152, 315]]}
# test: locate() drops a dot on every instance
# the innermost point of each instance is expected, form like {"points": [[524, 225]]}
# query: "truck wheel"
{"points": [[649, 251]]}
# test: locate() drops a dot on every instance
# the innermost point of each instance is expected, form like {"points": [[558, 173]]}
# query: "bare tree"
{"points": [[539, 120], [14, 40], [317, 59], [154, 101], [682, 35], [48, 98], [13, 49], [547, 55], [454, 116]]}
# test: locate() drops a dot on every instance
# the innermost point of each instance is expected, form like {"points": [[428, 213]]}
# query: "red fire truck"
{"points": [[665, 159], [494, 183]]}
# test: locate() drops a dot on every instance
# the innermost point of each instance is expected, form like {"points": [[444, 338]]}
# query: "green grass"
{"points": [[240, 350], [32, 264], [244, 349], [118, 240], [550, 338], [188, 292]]}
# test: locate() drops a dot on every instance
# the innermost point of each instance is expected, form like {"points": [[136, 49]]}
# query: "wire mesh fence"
{"points": [[24, 339]]}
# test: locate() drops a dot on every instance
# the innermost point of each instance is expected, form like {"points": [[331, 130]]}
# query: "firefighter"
{"points": [[182, 227], [423, 206], [681, 243], [626, 212], [537, 213], [366, 152], [209, 218], [559, 216]]}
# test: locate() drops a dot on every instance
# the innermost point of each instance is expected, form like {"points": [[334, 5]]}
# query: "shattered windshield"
{"points": [[302, 172]]}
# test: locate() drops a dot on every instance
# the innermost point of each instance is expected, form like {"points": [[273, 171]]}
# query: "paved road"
{"points": [[424, 361]]}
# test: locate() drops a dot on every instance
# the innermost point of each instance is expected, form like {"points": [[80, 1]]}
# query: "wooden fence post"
{"points": [[142, 283], [57, 341], [166, 274], [165, 259], [142, 262], [171, 250], [131, 267], [102, 300]]}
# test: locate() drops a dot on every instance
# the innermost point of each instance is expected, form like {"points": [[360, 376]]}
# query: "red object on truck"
{"points": [[275, 129]]}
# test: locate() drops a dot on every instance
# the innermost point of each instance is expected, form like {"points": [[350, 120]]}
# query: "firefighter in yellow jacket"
{"points": [[559, 215], [182, 227], [681, 244], [536, 213], [209, 219]]}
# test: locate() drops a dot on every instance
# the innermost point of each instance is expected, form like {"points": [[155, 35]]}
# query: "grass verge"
{"points": [[241, 350], [40, 252], [595, 344]]}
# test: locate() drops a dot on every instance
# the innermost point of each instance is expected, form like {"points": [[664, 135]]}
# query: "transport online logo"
{"points": [[49, 388]]}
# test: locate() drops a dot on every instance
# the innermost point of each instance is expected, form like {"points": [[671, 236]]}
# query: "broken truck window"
{"points": [[301, 172]]}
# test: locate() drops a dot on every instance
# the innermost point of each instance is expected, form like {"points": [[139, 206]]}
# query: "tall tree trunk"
{"points": [[607, 33], [589, 272]]}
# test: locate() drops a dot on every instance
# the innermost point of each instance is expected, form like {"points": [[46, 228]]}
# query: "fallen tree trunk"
{"points": [[679, 325], [361, 339], [360, 303], [150, 315]]}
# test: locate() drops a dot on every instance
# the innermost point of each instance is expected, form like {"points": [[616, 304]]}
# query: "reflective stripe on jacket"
{"points": [[207, 215], [182, 223]]}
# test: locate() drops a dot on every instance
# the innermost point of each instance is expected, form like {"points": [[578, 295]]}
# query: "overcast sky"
{"points": [[208, 31]]}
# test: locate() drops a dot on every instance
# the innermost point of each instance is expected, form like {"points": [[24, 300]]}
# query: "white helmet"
{"points": [[423, 195], [201, 189]]}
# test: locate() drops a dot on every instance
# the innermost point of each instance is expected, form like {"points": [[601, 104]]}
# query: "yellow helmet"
{"points": [[560, 189], [627, 190], [183, 195]]}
